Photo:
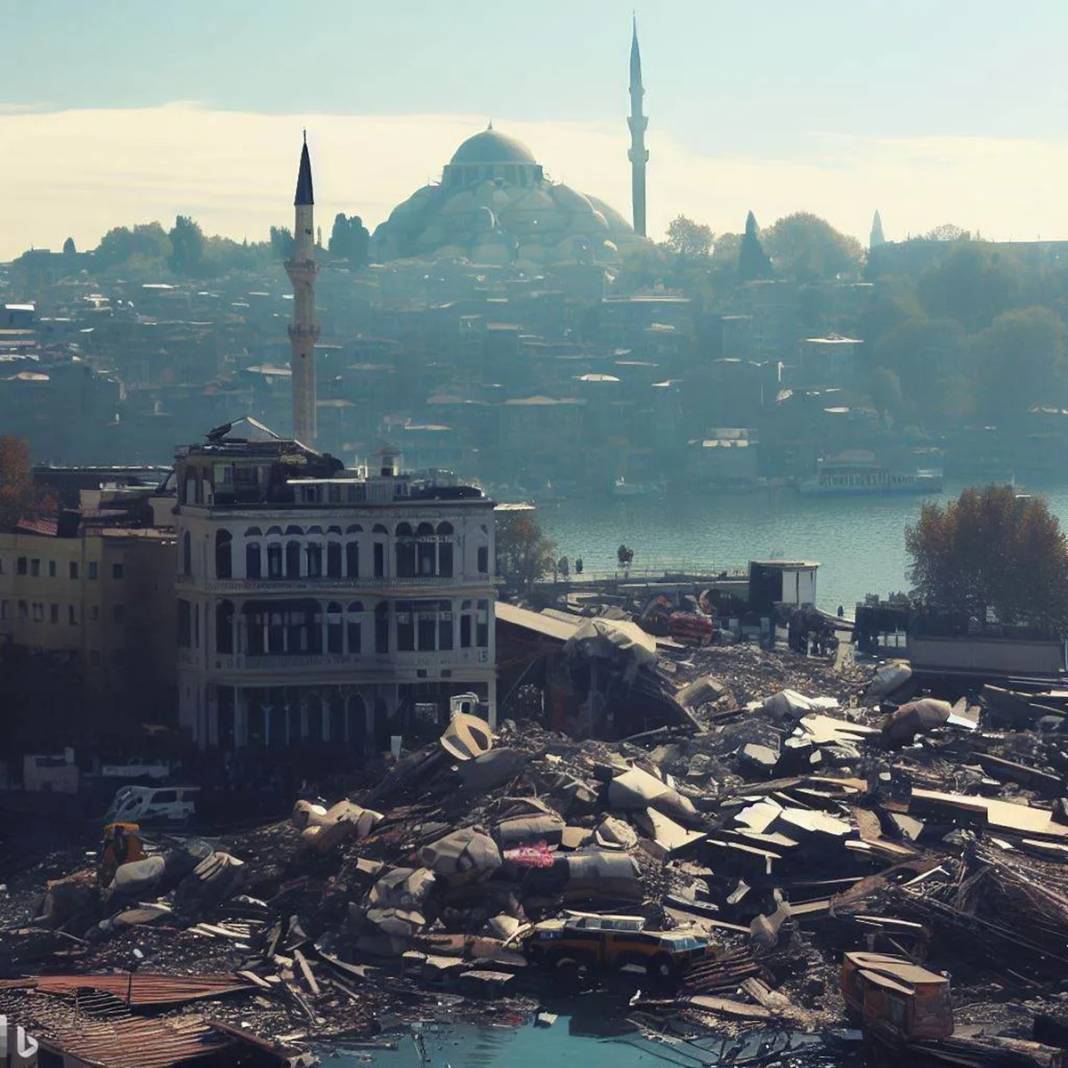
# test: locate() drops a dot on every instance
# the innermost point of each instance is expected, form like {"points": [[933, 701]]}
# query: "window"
{"points": [[483, 559], [482, 625], [94, 613], [466, 609], [274, 561], [334, 631], [224, 627], [426, 625], [445, 550], [352, 620], [185, 624], [333, 559], [253, 561], [38, 612], [72, 569], [118, 571], [405, 551], [72, 615], [405, 627], [427, 551], [382, 627], [223, 556], [293, 559], [93, 569], [35, 568], [445, 636], [380, 559], [352, 559], [51, 569], [118, 613], [24, 611], [315, 560], [53, 613], [20, 565]]}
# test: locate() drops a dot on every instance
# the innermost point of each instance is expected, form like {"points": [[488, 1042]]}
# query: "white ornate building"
{"points": [[324, 606]]}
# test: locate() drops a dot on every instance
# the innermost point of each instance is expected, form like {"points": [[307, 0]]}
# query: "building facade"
{"points": [[319, 606]]}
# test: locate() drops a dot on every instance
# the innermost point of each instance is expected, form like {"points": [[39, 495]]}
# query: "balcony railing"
{"points": [[366, 663], [324, 583]]}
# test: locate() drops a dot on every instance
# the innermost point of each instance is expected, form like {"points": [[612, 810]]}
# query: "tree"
{"points": [[350, 240], [689, 239], [886, 393], [992, 550], [187, 247], [19, 497], [1020, 362], [923, 353], [753, 261], [524, 553], [68, 247], [946, 232], [807, 248], [281, 242], [973, 284], [146, 240]]}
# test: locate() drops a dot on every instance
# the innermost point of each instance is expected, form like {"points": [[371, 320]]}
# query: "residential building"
{"points": [[320, 606]]}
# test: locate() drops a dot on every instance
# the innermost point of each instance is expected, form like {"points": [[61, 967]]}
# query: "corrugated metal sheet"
{"points": [[143, 989], [139, 1043]]}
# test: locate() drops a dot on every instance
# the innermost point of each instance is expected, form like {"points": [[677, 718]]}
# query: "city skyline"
{"points": [[791, 123]]}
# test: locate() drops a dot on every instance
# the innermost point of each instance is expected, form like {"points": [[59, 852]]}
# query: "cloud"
{"points": [[80, 172]]}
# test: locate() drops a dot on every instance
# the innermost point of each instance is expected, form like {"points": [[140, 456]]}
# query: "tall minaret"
{"points": [[638, 154], [304, 330]]}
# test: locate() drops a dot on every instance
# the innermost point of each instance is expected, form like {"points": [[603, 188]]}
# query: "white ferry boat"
{"points": [[847, 476]]}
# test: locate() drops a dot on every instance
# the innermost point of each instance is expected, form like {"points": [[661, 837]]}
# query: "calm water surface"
{"points": [[859, 541]]}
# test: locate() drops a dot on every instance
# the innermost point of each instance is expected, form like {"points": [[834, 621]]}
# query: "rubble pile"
{"points": [[796, 811]]}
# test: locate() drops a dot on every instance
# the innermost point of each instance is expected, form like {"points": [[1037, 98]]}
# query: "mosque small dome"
{"points": [[491, 146]]}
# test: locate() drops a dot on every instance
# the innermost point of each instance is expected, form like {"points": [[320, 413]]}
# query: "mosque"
{"points": [[494, 205]]}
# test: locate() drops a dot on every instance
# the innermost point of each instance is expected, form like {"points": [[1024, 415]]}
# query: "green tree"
{"points": [[807, 248], [524, 553], [68, 247], [19, 498], [886, 393], [146, 240], [689, 239], [1020, 362], [187, 247], [350, 240], [973, 284], [281, 242], [753, 261], [946, 232], [992, 549]]}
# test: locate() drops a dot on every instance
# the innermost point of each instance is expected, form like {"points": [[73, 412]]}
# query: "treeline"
{"points": [[185, 251]]}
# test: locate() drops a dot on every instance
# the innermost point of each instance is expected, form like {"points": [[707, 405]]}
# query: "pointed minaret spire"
{"points": [[638, 154], [304, 330], [876, 238]]}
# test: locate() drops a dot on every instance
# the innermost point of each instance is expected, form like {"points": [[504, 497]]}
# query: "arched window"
{"points": [[333, 559], [274, 532], [253, 561], [353, 626], [274, 560], [314, 530], [380, 535], [424, 535], [223, 557], [467, 623], [352, 558], [405, 551], [333, 530], [224, 627], [293, 530], [187, 554], [445, 535], [482, 625], [334, 632], [315, 560], [292, 559]]}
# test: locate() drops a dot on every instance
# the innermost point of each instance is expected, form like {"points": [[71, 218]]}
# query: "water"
{"points": [[594, 1035], [859, 541]]}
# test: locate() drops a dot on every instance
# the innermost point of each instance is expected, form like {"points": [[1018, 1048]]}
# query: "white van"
{"points": [[153, 804]]}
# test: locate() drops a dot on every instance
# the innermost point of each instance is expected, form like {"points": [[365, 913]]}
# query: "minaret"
{"points": [[876, 238], [638, 154], [304, 330]]}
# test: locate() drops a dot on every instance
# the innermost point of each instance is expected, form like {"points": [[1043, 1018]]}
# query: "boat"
{"points": [[849, 476], [622, 488]]}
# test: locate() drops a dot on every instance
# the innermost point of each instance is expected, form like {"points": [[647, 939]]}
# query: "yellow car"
{"points": [[592, 941]]}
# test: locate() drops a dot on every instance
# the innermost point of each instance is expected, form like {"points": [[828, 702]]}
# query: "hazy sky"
{"points": [[945, 110]]}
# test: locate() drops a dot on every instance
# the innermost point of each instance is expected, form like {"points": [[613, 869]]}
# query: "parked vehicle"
{"points": [[583, 940], [153, 804], [894, 999], [136, 769]]}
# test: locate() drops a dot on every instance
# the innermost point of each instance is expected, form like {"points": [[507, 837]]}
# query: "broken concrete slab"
{"points": [[463, 856], [637, 789], [614, 833]]}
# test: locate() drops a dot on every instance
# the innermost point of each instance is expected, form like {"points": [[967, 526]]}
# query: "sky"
{"points": [[937, 111]]}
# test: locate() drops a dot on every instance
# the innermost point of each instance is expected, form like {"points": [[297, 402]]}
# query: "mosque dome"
{"points": [[491, 146], [495, 204]]}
